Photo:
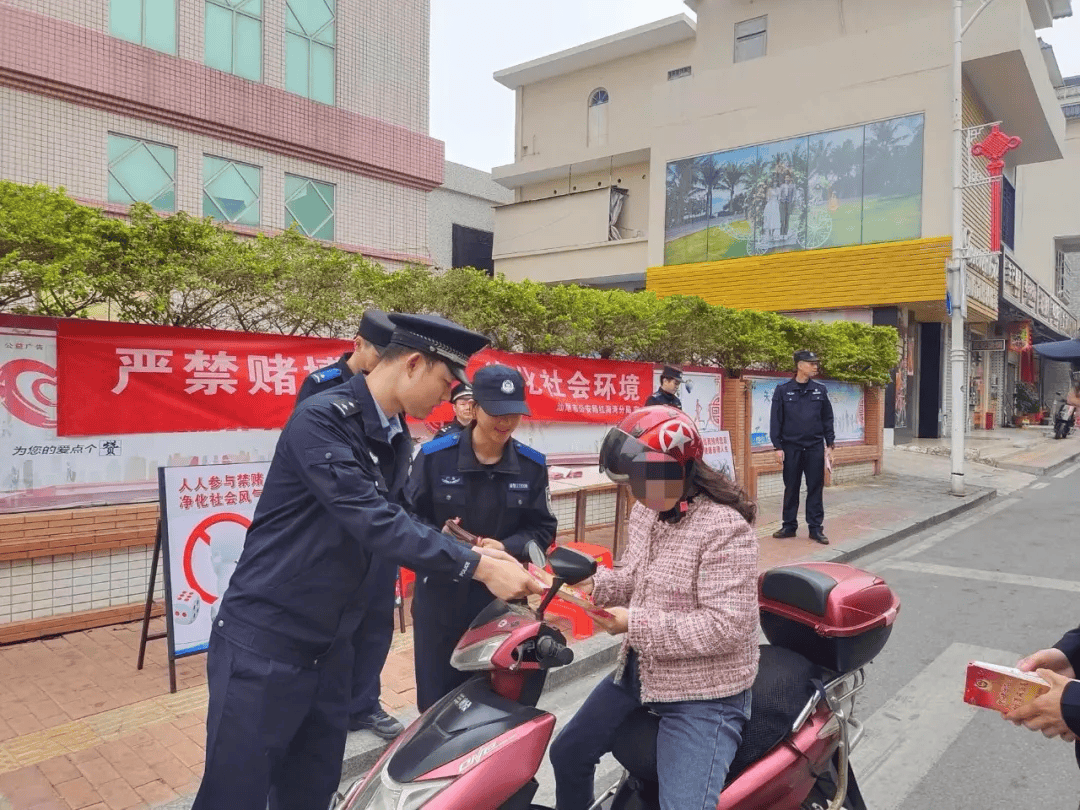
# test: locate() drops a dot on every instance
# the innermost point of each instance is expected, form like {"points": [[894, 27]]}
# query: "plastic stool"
{"points": [[598, 553], [405, 578], [580, 623]]}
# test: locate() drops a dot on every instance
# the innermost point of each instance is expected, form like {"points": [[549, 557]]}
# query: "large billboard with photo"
{"points": [[848, 404], [844, 187]]}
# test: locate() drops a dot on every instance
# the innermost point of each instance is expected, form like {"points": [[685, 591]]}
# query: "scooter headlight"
{"points": [[383, 793], [477, 656]]}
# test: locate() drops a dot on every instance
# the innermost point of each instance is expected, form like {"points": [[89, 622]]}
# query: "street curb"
{"points": [[854, 551], [1040, 471]]}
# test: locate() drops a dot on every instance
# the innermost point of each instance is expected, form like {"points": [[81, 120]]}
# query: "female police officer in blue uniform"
{"points": [[498, 487], [280, 655]]}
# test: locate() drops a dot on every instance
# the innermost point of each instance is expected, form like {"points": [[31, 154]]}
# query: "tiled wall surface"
{"points": [[63, 144], [66, 583], [772, 483], [382, 49], [599, 509]]}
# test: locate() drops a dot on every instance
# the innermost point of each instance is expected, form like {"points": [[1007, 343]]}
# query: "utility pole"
{"points": [[956, 268]]}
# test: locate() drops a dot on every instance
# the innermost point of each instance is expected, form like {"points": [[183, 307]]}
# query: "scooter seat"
{"points": [[783, 685]]}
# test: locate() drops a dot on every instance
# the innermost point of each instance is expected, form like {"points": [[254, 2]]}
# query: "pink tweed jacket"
{"points": [[692, 592]]}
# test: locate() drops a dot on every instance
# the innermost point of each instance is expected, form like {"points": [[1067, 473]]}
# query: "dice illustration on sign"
{"points": [[186, 607]]}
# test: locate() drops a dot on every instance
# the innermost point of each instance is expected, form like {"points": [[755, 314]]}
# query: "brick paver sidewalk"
{"points": [[80, 727]]}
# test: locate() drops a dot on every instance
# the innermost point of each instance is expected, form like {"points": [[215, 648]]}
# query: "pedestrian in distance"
{"points": [[372, 338], [374, 635], [280, 658], [667, 393], [498, 487], [801, 431], [462, 400], [686, 600]]}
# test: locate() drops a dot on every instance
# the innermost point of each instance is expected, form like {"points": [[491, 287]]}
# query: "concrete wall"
{"points": [[467, 197], [601, 264]]}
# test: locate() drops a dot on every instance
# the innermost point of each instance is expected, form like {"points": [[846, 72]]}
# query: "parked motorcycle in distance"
{"points": [[479, 748], [1064, 416]]}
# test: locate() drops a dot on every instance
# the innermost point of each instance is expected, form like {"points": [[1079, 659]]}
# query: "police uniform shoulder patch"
{"points": [[346, 406], [530, 453], [326, 374], [435, 445]]}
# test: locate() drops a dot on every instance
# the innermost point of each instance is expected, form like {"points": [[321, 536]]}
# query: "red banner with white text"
{"points": [[571, 389], [116, 378]]}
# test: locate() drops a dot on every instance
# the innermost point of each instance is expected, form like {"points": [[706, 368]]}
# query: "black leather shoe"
{"points": [[819, 537], [783, 534], [378, 722]]}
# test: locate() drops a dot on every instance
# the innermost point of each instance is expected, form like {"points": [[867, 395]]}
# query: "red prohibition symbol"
{"points": [[200, 533]]}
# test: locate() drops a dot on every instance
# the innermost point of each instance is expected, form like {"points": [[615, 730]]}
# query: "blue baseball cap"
{"points": [[500, 391]]}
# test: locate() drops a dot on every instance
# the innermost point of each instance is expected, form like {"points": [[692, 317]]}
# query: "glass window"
{"points": [[598, 102], [231, 190], [141, 171], [750, 39], [310, 205], [310, 32], [233, 37], [146, 22]]}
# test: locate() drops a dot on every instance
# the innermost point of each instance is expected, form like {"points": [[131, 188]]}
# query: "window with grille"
{"points": [[751, 37], [145, 22], [679, 73], [231, 190], [309, 205], [233, 37], [310, 37], [141, 171]]}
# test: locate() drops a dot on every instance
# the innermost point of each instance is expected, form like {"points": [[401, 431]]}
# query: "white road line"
{"points": [[998, 577], [953, 527], [1040, 485], [907, 736], [1068, 471]]}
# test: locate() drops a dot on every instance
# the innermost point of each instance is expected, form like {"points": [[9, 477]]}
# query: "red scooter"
{"points": [[479, 748]]}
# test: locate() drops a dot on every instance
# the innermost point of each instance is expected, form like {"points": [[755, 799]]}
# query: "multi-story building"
{"points": [[462, 220], [259, 113], [797, 157]]}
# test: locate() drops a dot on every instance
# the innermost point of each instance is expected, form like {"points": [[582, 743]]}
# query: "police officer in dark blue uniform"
{"points": [[280, 658], [667, 393], [802, 433], [376, 631], [499, 489], [462, 400], [371, 340]]}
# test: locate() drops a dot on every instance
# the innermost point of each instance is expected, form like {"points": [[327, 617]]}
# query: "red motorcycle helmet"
{"points": [[657, 443]]}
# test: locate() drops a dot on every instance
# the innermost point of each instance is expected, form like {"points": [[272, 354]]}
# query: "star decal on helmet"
{"points": [[674, 436]]}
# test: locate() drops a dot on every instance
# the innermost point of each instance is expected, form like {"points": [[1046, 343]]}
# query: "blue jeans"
{"points": [[694, 747]]}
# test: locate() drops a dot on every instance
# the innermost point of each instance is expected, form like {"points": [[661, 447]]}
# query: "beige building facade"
{"points": [[721, 136]]}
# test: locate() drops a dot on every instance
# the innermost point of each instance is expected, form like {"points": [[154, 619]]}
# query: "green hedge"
{"points": [[60, 258]]}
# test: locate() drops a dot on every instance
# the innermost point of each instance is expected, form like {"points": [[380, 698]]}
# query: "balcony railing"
{"points": [[1025, 293], [983, 272]]}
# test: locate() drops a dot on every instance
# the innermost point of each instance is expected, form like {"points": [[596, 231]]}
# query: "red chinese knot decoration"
{"points": [[994, 148]]}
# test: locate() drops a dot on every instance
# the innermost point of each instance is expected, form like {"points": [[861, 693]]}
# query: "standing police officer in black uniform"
{"points": [[499, 488], [280, 658], [373, 637], [666, 394], [462, 400], [371, 340], [802, 433]]}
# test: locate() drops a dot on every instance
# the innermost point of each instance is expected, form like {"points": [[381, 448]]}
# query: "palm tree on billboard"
{"points": [[708, 174], [731, 174]]}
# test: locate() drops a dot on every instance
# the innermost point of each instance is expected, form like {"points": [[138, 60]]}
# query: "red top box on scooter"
{"points": [[833, 614]]}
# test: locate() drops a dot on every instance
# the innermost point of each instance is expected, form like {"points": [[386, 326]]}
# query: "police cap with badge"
{"points": [[500, 391], [805, 356], [671, 373], [446, 340], [376, 328]]}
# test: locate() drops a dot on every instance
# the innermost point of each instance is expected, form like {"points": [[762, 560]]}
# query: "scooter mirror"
{"points": [[536, 554], [571, 566]]}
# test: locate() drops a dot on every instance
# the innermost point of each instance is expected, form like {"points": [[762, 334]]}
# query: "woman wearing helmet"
{"points": [[686, 598]]}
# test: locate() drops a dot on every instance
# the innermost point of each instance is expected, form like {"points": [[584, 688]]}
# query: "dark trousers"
{"points": [[273, 730], [442, 612], [371, 641], [800, 461]]}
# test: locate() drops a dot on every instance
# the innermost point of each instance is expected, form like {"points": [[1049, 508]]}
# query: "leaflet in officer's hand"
{"points": [[1001, 688], [575, 596], [453, 528]]}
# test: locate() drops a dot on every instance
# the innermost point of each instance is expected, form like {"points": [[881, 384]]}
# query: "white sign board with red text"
{"points": [[205, 514]]}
